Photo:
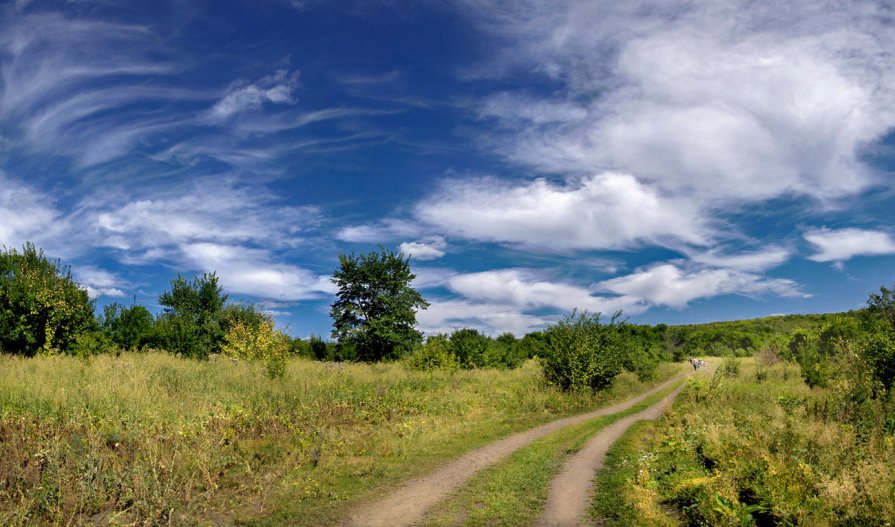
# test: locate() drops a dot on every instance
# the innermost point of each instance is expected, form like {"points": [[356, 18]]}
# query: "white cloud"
{"points": [[724, 101], [430, 248], [100, 282], [25, 214], [524, 289], [757, 261], [386, 230], [250, 272], [606, 211], [445, 316], [669, 285], [274, 89], [838, 245]]}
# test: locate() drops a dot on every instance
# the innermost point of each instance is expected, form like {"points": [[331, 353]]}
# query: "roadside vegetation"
{"points": [[807, 440], [206, 413], [151, 438]]}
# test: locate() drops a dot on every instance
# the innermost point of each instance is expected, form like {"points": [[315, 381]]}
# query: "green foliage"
{"points": [[533, 345], [193, 321], [837, 332], [503, 352], [129, 328], [375, 313], [42, 309], [879, 352], [318, 348], [882, 304], [251, 336], [90, 343], [731, 366], [435, 354], [584, 353], [469, 346]]}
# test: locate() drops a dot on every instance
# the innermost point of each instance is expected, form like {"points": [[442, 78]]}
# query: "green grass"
{"points": [[146, 439], [514, 491], [759, 448]]}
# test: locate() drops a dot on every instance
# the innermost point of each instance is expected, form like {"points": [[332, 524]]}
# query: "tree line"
{"points": [[44, 310]]}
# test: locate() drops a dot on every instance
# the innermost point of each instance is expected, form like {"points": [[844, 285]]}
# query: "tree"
{"points": [[375, 313], [584, 353], [251, 336], [128, 327], [193, 321], [469, 346], [42, 308], [883, 305]]}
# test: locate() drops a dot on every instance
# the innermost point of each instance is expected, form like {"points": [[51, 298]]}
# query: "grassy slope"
{"points": [[151, 438], [746, 452]]}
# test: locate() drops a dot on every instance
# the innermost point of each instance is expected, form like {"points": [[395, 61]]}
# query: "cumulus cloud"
{"points": [[838, 245], [669, 285], [606, 211], [249, 271], [523, 300], [732, 101], [445, 316], [429, 248], [526, 290]]}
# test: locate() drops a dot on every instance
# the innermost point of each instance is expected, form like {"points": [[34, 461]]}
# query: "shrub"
{"points": [[42, 309], [469, 346], [435, 354], [583, 352], [257, 340], [90, 343], [730, 366], [879, 352]]}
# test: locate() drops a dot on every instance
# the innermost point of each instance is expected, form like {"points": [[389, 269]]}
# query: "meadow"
{"points": [[151, 438], [755, 446]]}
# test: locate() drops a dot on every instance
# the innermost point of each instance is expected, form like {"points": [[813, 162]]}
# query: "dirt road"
{"points": [[570, 492], [407, 505]]}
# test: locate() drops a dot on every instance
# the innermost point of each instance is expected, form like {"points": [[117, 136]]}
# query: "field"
{"points": [[150, 438], [755, 448]]}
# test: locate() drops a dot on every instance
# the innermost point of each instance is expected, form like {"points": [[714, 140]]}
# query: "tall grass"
{"points": [[152, 439], [745, 451]]}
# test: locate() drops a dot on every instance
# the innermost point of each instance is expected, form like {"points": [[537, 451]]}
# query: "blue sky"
{"points": [[683, 162]]}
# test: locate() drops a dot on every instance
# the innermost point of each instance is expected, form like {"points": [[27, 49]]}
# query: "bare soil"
{"points": [[408, 505], [571, 491]]}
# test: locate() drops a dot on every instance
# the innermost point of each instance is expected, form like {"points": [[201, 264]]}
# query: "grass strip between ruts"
{"points": [[514, 491]]}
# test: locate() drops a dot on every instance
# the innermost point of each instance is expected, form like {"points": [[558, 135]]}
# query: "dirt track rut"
{"points": [[408, 505], [570, 492]]}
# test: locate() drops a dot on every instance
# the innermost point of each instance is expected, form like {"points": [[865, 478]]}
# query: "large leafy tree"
{"points": [[193, 321], [42, 309], [375, 312]]}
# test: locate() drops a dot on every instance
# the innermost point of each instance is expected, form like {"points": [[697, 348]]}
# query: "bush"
{"points": [[435, 354], [255, 339], [42, 309], [90, 343], [583, 353], [879, 352], [469, 346], [730, 366]]}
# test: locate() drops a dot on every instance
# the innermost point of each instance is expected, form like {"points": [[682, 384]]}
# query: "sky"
{"points": [[683, 162]]}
